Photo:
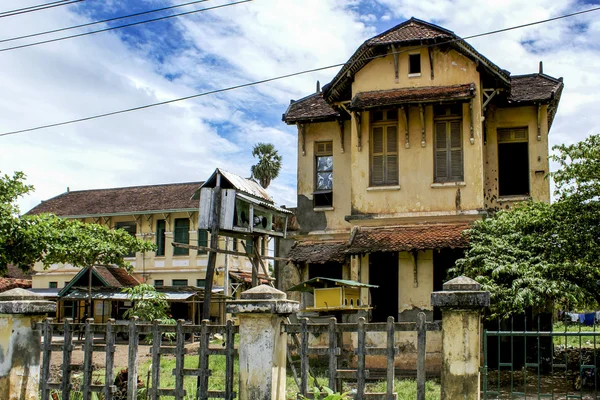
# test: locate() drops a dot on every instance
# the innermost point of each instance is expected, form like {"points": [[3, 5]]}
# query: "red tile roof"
{"points": [[533, 87], [317, 252], [310, 108], [243, 276], [409, 237], [411, 31], [383, 98], [115, 276], [12, 283], [174, 196]]}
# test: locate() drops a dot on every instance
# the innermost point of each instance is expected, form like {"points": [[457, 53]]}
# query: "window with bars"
{"points": [[53, 285], [160, 237], [202, 240], [323, 195], [159, 282], [513, 161], [448, 144], [181, 234], [384, 154], [179, 282]]}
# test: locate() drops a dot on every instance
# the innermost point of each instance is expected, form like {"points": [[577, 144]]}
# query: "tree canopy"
{"points": [[538, 254], [268, 166], [27, 239]]}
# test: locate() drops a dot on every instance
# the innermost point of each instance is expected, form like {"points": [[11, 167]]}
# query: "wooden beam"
{"points": [[214, 243], [223, 251]]}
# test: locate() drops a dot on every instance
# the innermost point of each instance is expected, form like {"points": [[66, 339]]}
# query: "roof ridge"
{"points": [[128, 187], [542, 75], [407, 22]]}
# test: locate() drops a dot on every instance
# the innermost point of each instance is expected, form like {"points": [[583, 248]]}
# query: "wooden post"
{"points": [[132, 369], [391, 354], [110, 360], [179, 365], [304, 357], [254, 260], [361, 353], [333, 352], [229, 360], [66, 365], [45, 375], [214, 243], [156, 339], [87, 358], [421, 343]]}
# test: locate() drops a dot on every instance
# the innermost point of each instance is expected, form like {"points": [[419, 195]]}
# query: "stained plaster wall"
{"points": [[514, 117], [325, 218], [417, 191]]}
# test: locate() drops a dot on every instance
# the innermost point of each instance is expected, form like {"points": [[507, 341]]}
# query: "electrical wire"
{"points": [[65, 3], [101, 21], [122, 26], [30, 7], [280, 77]]}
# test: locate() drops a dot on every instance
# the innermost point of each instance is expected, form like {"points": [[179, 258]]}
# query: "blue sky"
{"points": [[233, 45]]}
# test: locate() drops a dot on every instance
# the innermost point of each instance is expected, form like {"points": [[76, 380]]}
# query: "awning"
{"points": [[318, 252], [409, 237], [118, 295], [428, 94], [45, 292], [311, 284]]}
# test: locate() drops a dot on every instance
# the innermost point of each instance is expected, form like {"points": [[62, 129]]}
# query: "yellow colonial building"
{"points": [[162, 214], [416, 137]]}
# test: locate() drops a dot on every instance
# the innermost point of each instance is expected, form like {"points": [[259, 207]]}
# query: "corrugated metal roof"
{"points": [[246, 185], [309, 285], [118, 295], [264, 204]]}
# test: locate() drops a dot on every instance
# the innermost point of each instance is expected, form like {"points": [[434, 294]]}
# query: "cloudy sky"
{"points": [[232, 45]]}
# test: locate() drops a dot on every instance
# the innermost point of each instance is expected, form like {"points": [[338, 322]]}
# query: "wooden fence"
{"points": [[334, 351], [133, 329]]}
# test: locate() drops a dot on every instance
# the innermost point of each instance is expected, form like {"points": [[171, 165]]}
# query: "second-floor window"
{"points": [[202, 240], [448, 144], [129, 227], [384, 148], [181, 234], [513, 162], [179, 282], [160, 237], [414, 64], [323, 195], [53, 285]]}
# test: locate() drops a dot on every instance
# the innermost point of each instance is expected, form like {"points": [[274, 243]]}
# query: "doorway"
{"points": [[383, 272]]}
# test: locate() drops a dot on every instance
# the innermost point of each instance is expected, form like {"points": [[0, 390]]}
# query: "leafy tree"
{"points": [[268, 166], [537, 254], [149, 305]]}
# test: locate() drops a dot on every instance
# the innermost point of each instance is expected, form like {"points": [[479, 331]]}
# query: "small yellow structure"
{"points": [[334, 295]]}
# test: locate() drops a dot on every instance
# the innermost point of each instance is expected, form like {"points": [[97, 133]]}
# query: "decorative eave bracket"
{"points": [[396, 63], [472, 133], [539, 122], [422, 115], [302, 133], [341, 125], [357, 118], [403, 111]]}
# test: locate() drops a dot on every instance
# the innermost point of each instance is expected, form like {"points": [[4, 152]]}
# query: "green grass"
{"points": [[575, 341]]}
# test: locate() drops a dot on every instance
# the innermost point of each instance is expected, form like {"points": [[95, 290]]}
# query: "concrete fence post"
{"points": [[263, 346], [20, 343], [462, 302]]}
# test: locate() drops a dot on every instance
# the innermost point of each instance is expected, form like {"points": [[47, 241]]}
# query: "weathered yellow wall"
{"points": [[538, 152], [320, 132], [409, 296], [417, 192]]}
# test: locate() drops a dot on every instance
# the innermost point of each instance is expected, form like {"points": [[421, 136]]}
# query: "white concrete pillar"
{"points": [[263, 346], [462, 301], [20, 345]]}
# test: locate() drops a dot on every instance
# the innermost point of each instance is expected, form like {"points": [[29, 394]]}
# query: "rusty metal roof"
{"points": [[245, 185], [310, 108], [408, 238]]}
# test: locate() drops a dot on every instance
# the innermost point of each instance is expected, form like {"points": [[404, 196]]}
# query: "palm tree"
{"points": [[268, 166]]}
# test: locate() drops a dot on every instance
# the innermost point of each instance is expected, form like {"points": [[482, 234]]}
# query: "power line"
{"points": [[122, 26], [30, 7], [102, 21], [64, 3], [269, 79]]}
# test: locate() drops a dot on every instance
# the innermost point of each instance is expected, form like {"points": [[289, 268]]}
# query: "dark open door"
{"points": [[383, 272]]}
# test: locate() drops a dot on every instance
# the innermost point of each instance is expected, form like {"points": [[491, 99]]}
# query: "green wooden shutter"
{"points": [[202, 240], [377, 157], [391, 155], [160, 237], [181, 235]]}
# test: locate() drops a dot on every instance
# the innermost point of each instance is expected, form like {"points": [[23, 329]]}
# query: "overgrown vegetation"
{"points": [[537, 254]]}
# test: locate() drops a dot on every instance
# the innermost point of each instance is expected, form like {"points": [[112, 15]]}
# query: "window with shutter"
{"points": [[323, 194], [384, 155], [129, 227], [513, 161], [202, 240], [181, 234], [160, 237], [448, 147]]}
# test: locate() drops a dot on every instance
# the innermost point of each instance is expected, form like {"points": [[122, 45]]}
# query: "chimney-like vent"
{"points": [[541, 67], [318, 87]]}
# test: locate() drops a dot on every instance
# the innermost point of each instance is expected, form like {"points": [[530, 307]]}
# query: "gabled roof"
{"points": [[124, 200], [108, 275], [408, 238], [411, 32], [310, 108]]}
